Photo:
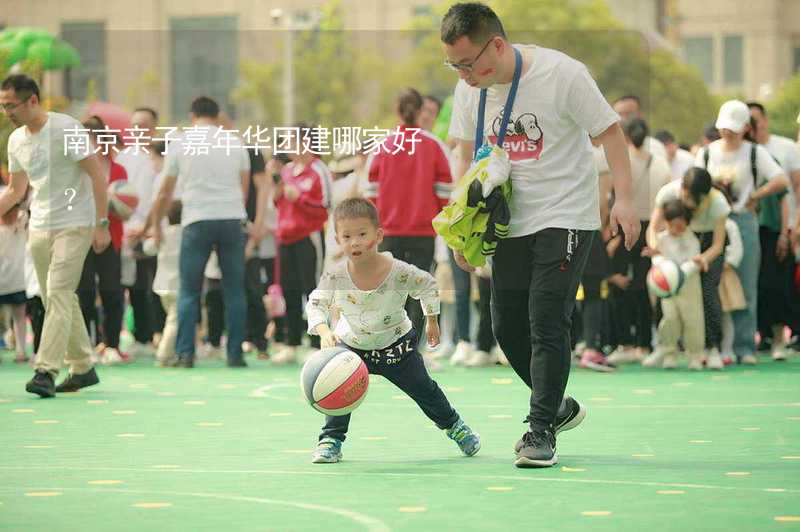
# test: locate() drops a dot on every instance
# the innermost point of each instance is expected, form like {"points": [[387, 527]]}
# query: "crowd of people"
{"points": [[289, 239]]}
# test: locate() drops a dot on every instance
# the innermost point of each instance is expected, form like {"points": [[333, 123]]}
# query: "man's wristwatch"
{"points": [[102, 223]]}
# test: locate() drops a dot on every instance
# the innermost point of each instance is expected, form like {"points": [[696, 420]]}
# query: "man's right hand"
{"points": [[622, 214], [462, 262]]}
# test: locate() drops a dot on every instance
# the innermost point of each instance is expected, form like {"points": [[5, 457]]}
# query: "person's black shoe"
{"points": [[73, 383], [237, 362], [567, 418], [42, 385], [538, 449]]}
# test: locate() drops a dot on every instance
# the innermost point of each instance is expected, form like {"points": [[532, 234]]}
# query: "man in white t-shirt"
{"points": [[557, 113], [141, 170], [630, 106], [778, 303], [69, 213], [679, 159], [213, 168]]}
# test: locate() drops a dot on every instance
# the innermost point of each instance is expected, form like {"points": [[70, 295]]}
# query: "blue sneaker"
{"points": [[469, 442], [329, 451]]}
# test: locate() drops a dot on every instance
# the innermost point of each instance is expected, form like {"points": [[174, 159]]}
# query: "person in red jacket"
{"points": [[106, 268], [409, 186], [302, 198]]}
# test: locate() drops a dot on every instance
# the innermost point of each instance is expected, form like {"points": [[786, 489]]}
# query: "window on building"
{"points": [[733, 60], [699, 52], [204, 61], [89, 39]]}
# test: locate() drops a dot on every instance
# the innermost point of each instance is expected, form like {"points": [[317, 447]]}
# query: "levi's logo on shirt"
{"points": [[524, 138]]}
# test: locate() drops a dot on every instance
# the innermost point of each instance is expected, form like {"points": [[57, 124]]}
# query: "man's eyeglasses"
{"points": [[467, 67], [6, 107]]}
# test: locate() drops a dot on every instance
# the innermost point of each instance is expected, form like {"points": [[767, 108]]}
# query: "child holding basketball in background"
{"points": [[370, 290], [683, 312]]}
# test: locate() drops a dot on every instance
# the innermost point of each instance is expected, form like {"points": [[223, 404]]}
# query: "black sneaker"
{"points": [[236, 363], [538, 449], [181, 362], [42, 385], [73, 382], [567, 418]]}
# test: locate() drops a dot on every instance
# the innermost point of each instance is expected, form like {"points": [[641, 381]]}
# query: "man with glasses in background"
{"points": [[69, 212], [556, 116]]}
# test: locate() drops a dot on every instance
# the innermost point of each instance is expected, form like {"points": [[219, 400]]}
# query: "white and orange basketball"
{"points": [[334, 381], [665, 278], [122, 198]]}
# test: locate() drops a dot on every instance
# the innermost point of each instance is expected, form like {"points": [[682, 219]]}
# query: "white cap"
{"points": [[733, 115]]}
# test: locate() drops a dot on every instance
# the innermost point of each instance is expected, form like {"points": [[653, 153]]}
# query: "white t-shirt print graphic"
{"points": [[524, 137]]}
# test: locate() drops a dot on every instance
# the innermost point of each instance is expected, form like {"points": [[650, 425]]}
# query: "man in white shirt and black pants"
{"points": [[554, 205], [68, 214]]}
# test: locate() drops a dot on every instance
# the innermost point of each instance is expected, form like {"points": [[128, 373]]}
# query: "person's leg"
{"points": [[592, 313], [215, 312], [195, 250], [35, 310], [109, 271], [20, 331], [712, 307], [140, 295], [166, 348], [744, 321], [307, 251], [412, 378], [256, 287], [767, 271], [691, 312], [485, 338], [293, 286], [87, 294], [230, 249], [419, 251], [58, 258], [558, 259], [461, 283], [511, 274]]}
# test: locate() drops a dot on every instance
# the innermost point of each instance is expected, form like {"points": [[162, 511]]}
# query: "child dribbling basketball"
{"points": [[369, 292], [683, 312]]}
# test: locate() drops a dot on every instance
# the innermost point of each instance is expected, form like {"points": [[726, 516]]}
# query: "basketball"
{"points": [[334, 381], [665, 278], [122, 198]]}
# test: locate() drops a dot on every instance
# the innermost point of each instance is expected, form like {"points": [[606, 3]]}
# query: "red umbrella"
{"points": [[113, 115]]}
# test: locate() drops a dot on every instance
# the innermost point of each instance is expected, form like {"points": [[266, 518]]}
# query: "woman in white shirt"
{"points": [[748, 173], [709, 210]]}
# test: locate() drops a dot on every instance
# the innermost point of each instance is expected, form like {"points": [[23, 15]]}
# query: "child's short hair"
{"points": [[674, 209], [174, 212], [356, 208]]}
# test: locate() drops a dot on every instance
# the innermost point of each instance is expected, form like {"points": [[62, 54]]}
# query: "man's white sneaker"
{"points": [[779, 354], [695, 362], [480, 359], [749, 360], [654, 359], [670, 362], [461, 354], [714, 361]]}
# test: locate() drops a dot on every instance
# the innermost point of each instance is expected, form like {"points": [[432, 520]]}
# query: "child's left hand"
{"points": [[432, 331]]}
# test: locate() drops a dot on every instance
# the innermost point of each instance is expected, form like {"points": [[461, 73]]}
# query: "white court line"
{"points": [[371, 523], [611, 407], [263, 391], [399, 475]]}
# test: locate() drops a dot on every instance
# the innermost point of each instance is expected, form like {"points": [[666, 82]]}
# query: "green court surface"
{"points": [[214, 448]]}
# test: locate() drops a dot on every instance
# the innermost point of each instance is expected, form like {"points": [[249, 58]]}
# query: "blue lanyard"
{"points": [[512, 93]]}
